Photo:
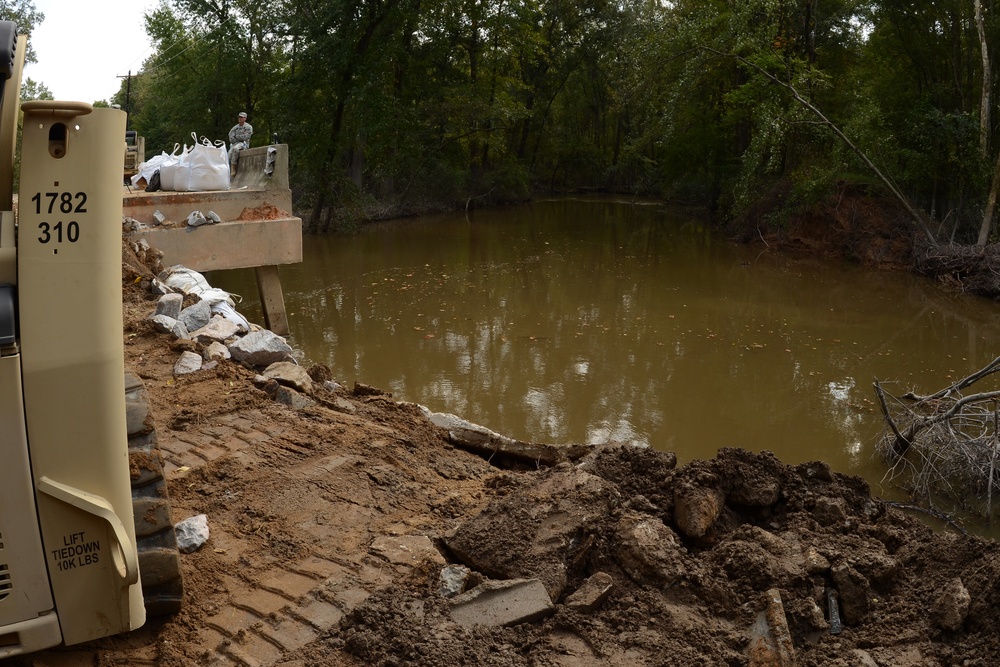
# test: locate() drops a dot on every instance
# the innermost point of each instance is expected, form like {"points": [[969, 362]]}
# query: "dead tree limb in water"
{"points": [[945, 444]]}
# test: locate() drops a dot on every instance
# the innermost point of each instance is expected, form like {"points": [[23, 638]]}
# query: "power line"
{"points": [[164, 51]]}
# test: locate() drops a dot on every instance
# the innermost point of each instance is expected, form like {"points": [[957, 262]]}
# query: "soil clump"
{"points": [[331, 526]]}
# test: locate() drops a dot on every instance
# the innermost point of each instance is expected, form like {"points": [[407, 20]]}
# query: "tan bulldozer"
{"points": [[86, 544]]}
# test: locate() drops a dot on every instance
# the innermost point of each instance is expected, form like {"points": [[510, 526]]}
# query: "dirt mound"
{"points": [[693, 573], [266, 211]]}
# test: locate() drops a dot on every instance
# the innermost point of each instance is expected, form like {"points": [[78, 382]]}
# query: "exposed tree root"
{"points": [[944, 447]]}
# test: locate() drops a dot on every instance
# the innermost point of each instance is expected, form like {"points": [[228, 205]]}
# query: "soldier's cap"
{"points": [[243, 114]]}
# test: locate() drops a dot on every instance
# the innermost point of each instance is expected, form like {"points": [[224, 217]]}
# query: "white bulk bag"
{"points": [[148, 168], [204, 167], [168, 168]]}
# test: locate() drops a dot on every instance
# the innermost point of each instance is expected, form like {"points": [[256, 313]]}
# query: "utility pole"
{"points": [[128, 97]]}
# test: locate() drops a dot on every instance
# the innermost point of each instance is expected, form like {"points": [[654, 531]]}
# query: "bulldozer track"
{"points": [[159, 559]]}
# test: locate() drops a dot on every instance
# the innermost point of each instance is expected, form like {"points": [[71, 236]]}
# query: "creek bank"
{"points": [[873, 231]]}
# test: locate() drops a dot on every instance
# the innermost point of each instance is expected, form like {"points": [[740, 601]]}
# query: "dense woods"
{"points": [[399, 105]]}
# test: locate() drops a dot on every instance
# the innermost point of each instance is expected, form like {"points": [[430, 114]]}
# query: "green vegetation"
{"points": [[400, 105]]}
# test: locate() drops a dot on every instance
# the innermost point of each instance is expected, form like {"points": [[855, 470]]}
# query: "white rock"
{"points": [[192, 533], [189, 362], [452, 580], [219, 329], [290, 374], [261, 348], [196, 315], [216, 351]]}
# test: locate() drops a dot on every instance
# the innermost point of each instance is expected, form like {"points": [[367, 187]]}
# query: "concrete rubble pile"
{"points": [[213, 331]]}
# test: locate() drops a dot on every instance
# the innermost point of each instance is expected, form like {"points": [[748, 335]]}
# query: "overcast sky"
{"points": [[83, 47]]}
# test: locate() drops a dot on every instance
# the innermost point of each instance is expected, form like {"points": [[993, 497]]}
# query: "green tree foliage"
{"points": [[395, 105], [211, 61], [34, 90], [24, 14]]}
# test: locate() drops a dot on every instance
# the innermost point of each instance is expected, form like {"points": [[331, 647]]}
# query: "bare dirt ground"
{"points": [[331, 524]]}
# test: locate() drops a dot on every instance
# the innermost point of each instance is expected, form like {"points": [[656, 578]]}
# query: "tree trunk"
{"points": [[987, 90], [991, 206], [984, 127]]}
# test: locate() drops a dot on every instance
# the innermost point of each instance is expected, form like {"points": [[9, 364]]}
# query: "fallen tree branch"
{"points": [[901, 442], [940, 516], [945, 445], [989, 369]]}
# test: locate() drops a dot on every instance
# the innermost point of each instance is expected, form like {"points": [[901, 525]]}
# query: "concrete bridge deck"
{"points": [[257, 230]]}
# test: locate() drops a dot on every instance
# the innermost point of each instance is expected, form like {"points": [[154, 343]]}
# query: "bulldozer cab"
{"points": [[135, 153], [69, 565]]}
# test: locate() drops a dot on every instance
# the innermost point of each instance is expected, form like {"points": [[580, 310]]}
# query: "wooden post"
{"points": [[272, 302]]}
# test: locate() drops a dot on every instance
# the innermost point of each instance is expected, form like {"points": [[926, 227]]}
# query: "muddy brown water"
{"points": [[586, 320]]}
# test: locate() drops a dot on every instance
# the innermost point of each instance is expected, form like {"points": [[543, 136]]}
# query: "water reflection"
{"points": [[594, 320]]}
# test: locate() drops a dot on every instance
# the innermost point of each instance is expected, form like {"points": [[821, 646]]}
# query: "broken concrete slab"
{"points": [[502, 603], [591, 593], [481, 440]]}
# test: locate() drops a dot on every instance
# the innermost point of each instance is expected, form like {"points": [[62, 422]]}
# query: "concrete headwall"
{"points": [[251, 171]]}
